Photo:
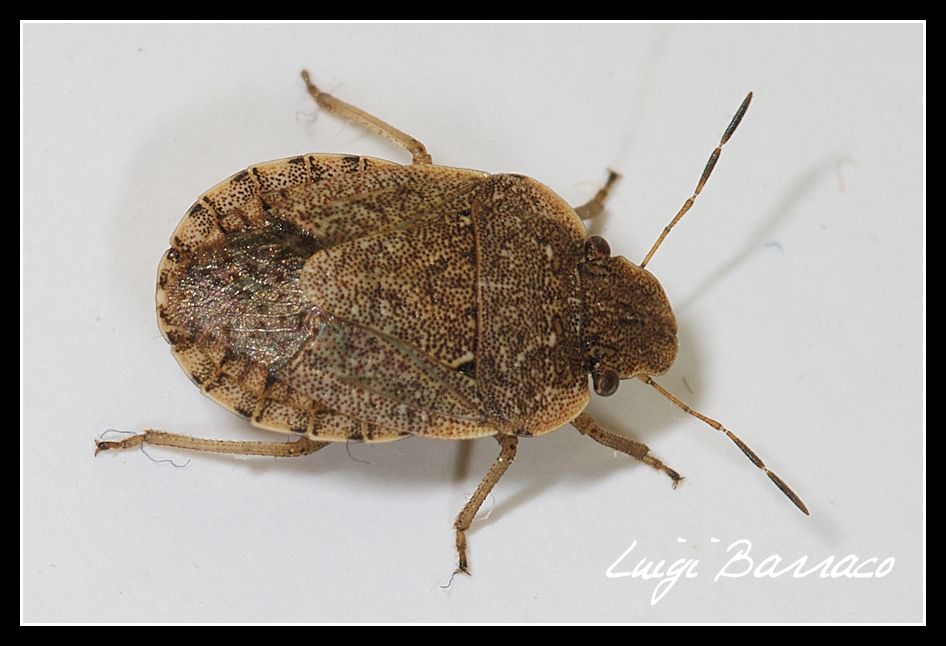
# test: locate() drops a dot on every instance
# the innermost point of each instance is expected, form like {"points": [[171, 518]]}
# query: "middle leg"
{"points": [[507, 454]]}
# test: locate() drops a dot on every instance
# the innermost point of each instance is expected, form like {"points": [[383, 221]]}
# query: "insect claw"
{"points": [[102, 445], [128, 442]]}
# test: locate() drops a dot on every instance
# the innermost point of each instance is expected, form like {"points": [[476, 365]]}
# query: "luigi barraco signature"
{"points": [[741, 563]]}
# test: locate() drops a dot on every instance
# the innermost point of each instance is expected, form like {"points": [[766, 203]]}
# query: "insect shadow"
{"points": [[782, 209], [562, 459]]}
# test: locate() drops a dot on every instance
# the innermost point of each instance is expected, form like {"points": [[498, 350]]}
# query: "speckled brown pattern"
{"points": [[628, 326], [347, 297], [530, 366]]}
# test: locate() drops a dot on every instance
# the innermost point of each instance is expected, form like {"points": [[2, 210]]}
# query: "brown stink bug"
{"points": [[339, 298]]}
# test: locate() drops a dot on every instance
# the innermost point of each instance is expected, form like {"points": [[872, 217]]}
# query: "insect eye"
{"points": [[606, 381], [597, 247]]}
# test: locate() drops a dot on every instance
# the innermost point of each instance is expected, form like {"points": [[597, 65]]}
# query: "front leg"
{"points": [[595, 205], [586, 425]]}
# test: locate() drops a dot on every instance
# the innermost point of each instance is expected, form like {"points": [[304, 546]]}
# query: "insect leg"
{"points": [[506, 455], [595, 205], [586, 425], [301, 446], [367, 121]]}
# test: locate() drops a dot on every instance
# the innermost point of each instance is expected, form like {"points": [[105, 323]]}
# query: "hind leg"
{"points": [[301, 446], [367, 121]]}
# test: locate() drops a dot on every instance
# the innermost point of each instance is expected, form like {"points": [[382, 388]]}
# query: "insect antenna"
{"points": [[707, 171], [781, 484]]}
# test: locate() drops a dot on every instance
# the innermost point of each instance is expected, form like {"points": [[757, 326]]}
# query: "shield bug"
{"points": [[338, 298]]}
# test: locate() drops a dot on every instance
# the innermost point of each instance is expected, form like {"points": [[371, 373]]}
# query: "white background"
{"points": [[796, 280]]}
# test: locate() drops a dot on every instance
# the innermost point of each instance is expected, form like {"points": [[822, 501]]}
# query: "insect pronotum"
{"points": [[338, 298]]}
